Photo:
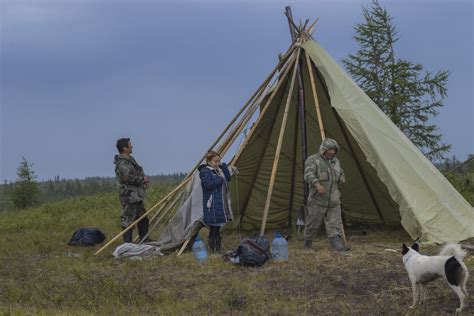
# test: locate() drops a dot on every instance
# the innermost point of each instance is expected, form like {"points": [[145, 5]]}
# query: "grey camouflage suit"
{"points": [[327, 206], [132, 188]]}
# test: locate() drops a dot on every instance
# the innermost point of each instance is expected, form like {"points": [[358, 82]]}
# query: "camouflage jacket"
{"points": [[327, 172], [131, 177]]}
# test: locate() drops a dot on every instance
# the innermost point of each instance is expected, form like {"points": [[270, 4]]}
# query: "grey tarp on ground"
{"points": [[135, 251], [187, 220]]}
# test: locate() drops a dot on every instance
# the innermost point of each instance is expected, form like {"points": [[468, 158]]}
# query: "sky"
{"points": [[77, 75]]}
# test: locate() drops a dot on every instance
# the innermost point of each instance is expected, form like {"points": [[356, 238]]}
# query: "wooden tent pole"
{"points": [[310, 29], [293, 170], [225, 146], [162, 212], [289, 16], [315, 97], [301, 116], [278, 149], [160, 209], [176, 197], [262, 113]]}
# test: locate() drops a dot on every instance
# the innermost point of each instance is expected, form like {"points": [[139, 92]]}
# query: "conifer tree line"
{"points": [[27, 191]]}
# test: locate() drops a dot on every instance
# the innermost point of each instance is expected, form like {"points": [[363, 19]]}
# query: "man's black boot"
{"points": [[143, 230], [127, 237]]}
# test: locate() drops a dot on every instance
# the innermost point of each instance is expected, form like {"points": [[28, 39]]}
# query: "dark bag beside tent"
{"points": [[254, 251], [87, 237]]}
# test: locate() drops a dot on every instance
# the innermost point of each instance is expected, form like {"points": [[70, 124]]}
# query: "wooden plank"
{"points": [[185, 244]]}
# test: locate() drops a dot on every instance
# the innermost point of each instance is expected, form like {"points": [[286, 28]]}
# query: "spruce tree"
{"points": [[25, 192], [407, 94]]}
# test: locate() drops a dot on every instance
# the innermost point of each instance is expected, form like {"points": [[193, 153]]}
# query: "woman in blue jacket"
{"points": [[216, 198]]}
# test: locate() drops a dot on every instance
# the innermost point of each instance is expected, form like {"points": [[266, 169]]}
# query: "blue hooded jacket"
{"points": [[212, 184]]}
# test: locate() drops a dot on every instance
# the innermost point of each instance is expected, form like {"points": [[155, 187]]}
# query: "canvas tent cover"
{"points": [[388, 179]]}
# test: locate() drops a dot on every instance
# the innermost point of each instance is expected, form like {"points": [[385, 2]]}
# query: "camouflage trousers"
{"points": [[314, 217], [130, 212]]}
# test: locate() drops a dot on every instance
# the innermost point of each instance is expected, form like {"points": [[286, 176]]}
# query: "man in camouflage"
{"points": [[324, 174], [132, 189]]}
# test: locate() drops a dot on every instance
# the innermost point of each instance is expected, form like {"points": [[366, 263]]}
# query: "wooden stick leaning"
{"points": [[185, 244], [189, 176], [176, 198], [310, 29], [262, 113], [163, 211], [160, 209], [222, 149], [244, 122], [165, 199], [165, 217], [152, 224], [315, 97], [318, 114], [278, 148]]}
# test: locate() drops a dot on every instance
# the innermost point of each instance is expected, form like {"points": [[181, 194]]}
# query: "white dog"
{"points": [[448, 264]]}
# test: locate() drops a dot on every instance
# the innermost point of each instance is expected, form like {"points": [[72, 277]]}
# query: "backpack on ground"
{"points": [[253, 251], [87, 237]]}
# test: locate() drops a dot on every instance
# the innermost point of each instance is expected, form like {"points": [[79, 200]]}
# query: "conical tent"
{"points": [[388, 180]]}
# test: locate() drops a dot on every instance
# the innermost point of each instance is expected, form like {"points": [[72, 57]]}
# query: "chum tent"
{"points": [[306, 97]]}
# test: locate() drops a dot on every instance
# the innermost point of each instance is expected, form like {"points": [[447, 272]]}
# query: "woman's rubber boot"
{"points": [[218, 244], [212, 244]]}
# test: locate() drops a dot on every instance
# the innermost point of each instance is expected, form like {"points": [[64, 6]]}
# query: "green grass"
{"points": [[41, 274]]}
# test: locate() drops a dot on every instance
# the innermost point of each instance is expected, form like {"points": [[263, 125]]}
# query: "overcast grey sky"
{"points": [[77, 75]]}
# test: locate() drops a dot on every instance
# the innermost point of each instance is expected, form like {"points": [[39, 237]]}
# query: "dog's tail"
{"points": [[453, 250]]}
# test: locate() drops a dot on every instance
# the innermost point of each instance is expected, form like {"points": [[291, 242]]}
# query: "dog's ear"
{"points": [[404, 249], [415, 246]]}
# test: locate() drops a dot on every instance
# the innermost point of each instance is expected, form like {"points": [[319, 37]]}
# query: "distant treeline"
{"points": [[460, 174], [58, 189]]}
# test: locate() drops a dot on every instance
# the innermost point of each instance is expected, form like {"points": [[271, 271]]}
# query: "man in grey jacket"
{"points": [[324, 174]]}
